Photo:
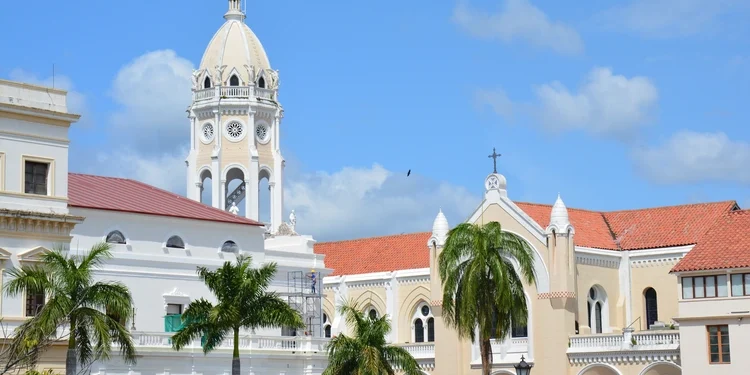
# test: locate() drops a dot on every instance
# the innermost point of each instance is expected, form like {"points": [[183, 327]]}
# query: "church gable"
{"points": [[33, 255]]}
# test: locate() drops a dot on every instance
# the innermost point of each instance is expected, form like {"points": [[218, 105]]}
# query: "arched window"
{"points": [[418, 331], [598, 309], [261, 82], [116, 237], [326, 326], [176, 242], [230, 247], [234, 81], [423, 324], [207, 83], [652, 310], [519, 331], [372, 313]]}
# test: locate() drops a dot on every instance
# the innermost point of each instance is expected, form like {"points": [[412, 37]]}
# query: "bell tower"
{"points": [[235, 120]]}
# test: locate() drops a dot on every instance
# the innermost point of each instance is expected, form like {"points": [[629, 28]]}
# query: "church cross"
{"points": [[494, 160]]}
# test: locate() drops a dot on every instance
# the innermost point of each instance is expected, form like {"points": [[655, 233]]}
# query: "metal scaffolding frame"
{"points": [[304, 296]]}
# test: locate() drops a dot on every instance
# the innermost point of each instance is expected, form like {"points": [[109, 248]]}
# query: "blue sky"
{"points": [[613, 104]]}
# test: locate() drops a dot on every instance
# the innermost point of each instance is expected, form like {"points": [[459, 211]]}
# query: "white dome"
{"points": [[559, 219], [235, 46]]}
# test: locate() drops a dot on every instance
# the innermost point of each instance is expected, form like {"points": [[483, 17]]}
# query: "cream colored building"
{"points": [[714, 304], [605, 302]]}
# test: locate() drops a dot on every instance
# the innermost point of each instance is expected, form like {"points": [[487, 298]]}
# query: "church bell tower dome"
{"points": [[235, 47]]}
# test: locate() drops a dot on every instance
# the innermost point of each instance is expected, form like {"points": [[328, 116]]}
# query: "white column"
{"points": [[625, 286], [251, 197], [274, 220], [215, 182], [223, 196], [198, 190]]}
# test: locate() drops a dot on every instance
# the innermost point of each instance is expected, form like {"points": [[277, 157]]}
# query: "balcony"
{"points": [[420, 350], [161, 341], [664, 345], [234, 92]]}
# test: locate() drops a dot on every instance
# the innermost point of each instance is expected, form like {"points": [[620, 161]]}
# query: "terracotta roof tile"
{"points": [[665, 226], [635, 229], [726, 245], [125, 195], [376, 254], [590, 226]]}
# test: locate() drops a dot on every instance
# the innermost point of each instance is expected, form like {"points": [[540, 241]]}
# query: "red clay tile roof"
{"points": [[590, 226], [726, 245], [634, 229], [376, 254], [121, 194]]}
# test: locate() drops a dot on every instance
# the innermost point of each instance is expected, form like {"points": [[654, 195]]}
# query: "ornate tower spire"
{"points": [[235, 11]]}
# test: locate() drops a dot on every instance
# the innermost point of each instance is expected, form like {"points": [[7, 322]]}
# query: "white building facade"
{"points": [[159, 238]]}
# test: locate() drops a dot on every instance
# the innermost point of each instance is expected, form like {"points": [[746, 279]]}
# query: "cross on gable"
{"points": [[494, 157]]}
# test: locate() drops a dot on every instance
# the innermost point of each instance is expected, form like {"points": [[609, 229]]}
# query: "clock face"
{"points": [[492, 183]]}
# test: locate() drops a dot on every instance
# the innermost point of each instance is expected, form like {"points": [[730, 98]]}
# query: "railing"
{"points": [[163, 340], [421, 350], [626, 341], [232, 92]]}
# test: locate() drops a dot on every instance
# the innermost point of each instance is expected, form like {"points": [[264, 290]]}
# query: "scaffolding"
{"points": [[304, 296]]}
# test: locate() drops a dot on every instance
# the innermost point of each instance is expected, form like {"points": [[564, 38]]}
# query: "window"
{"points": [[418, 331], [718, 344], [207, 83], [174, 309], [741, 284], [423, 324], [262, 83], [520, 331], [597, 309], [326, 326], [116, 237], [373, 314], [230, 247], [175, 242], [35, 177], [652, 312], [34, 303], [431, 330], [704, 287], [234, 81]]}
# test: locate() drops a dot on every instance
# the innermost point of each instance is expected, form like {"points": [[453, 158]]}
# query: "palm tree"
{"points": [[482, 292], [95, 312], [243, 303], [367, 353]]}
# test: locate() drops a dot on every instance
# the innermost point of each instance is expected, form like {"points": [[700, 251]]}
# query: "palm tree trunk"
{"points": [[235, 353], [485, 351], [70, 358]]}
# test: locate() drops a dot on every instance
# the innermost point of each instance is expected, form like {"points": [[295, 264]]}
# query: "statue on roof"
{"points": [[234, 209]]}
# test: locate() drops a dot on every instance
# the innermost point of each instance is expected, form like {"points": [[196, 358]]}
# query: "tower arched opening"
{"points": [[235, 190], [206, 190], [264, 196], [207, 83]]}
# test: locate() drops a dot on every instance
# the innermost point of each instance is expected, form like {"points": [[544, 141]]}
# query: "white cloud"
{"points": [[166, 171], [76, 101], [154, 91], [605, 104], [669, 18], [357, 202], [689, 157], [497, 100], [519, 20]]}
